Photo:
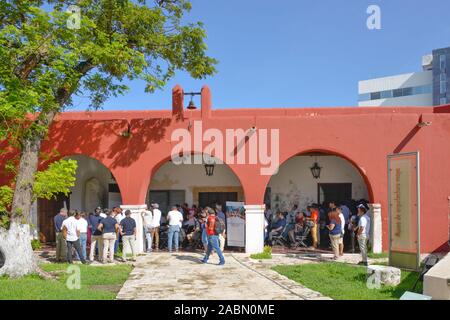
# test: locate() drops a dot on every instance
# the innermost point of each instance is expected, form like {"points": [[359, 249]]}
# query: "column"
{"points": [[254, 228], [136, 211], [376, 227]]}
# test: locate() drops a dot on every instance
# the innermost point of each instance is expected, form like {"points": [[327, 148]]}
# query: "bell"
{"points": [[191, 105]]}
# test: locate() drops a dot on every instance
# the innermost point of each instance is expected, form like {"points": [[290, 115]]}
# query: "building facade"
{"points": [[125, 158], [426, 88]]}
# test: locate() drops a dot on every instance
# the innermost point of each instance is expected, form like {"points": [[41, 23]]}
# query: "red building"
{"points": [[125, 158]]}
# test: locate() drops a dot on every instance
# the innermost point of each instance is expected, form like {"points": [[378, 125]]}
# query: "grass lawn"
{"points": [[341, 281], [97, 283]]}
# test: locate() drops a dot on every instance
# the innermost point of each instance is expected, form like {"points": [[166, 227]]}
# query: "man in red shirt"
{"points": [[213, 237]]}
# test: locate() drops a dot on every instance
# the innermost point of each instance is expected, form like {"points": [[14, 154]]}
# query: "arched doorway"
{"points": [[317, 178], [94, 186], [206, 183]]}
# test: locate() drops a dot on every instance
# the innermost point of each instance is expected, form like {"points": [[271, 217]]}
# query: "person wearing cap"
{"points": [[213, 237], [363, 232], [156, 222], [128, 232]]}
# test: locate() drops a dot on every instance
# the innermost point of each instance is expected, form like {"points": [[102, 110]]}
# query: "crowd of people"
{"points": [[336, 225], [105, 229], [344, 224]]}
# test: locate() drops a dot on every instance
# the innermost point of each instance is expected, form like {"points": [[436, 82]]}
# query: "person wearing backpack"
{"points": [[214, 227]]}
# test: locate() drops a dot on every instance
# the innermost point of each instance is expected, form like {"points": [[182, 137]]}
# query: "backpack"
{"points": [[219, 226]]}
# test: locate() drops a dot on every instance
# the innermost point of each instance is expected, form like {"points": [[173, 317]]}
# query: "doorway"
{"points": [[209, 199], [46, 211], [340, 192], [166, 198]]}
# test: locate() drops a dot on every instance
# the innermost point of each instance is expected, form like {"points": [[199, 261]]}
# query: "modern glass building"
{"points": [[429, 87]]}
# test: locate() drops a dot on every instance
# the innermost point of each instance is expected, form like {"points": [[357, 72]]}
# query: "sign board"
{"points": [[235, 213], [404, 210]]}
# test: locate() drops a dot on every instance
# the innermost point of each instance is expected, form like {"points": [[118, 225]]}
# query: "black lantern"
{"points": [[209, 168], [315, 170]]}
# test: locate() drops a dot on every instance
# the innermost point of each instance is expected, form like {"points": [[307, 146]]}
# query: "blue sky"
{"points": [[301, 53]]}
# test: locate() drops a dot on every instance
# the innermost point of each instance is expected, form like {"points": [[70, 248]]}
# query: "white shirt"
{"points": [[341, 216], [175, 218], [156, 218], [148, 218], [72, 227], [364, 221], [119, 217], [103, 215], [82, 225]]}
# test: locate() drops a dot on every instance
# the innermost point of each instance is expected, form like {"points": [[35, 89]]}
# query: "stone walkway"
{"points": [[181, 276]]}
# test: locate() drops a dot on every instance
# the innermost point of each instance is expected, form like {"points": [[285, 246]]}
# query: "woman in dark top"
{"points": [[335, 230]]}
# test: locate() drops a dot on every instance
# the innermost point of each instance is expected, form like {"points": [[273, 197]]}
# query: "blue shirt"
{"points": [[346, 212], [94, 221], [337, 228], [221, 215], [109, 224], [58, 220], [128, 225], [279, 223]]}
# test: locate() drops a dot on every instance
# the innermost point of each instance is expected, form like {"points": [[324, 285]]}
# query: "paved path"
{"points": [[181, 276]]}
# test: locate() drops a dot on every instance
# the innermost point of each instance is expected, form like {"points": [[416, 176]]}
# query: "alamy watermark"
{"points": [[374, 280], [73, 282], [74, 20], [374, 19], [263, 147]]}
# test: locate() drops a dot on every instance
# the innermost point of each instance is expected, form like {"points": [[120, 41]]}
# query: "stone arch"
{"points": [[162, 161]]}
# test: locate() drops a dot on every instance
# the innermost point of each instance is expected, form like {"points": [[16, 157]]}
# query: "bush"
{"points": [[36, 244], [266, 254]]}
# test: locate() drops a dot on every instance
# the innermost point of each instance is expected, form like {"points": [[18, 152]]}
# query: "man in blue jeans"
{"points": [[213, 229], [175, 219]]}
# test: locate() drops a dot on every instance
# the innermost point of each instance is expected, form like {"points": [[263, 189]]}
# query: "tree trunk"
{"points": [[15, 249], [23, 192]]}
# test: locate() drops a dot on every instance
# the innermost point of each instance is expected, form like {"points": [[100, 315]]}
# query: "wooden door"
{"points": [[46, 210]]}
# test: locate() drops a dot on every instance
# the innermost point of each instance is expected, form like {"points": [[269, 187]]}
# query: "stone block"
{"points": [[385, 275]]}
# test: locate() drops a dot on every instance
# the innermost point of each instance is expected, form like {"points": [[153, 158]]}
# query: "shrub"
{"points": [[36, 244], [266, 254]]}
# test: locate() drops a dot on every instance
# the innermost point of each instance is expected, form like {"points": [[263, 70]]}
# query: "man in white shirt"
{"points": [[341, 239], [83, 227], [147, 220], [175, 219], [363, 232], [156, 222], [71, 233]]}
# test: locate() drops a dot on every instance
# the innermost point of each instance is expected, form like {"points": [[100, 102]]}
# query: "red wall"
{"points": [[364, 136]]}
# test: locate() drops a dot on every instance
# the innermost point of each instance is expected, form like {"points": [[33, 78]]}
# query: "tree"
{"points": [[15, 244], [49, 55]]}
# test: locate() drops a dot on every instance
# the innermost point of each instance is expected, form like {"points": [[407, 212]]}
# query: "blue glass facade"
{"points": [[402, 92], [441, 76]]}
